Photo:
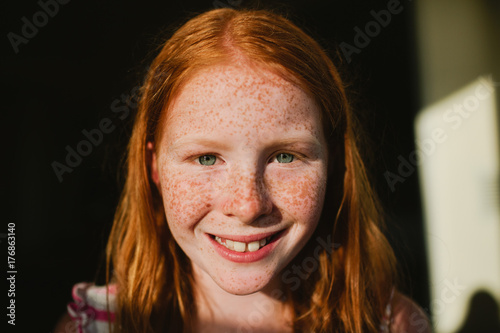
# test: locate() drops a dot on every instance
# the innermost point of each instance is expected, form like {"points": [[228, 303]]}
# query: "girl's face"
{"points": [[242, 168]]}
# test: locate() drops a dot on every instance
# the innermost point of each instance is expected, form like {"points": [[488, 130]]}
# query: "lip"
{"points": [[247, 257]]}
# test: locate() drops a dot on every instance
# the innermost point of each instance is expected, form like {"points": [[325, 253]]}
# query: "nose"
{"points": [[246, 197]]}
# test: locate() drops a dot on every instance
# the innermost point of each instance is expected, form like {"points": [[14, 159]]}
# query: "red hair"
{"points": [[351, 286]]}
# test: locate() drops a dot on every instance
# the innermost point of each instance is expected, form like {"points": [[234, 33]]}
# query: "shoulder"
{"points": [[408, 317], [92, 309], [65, 324]]}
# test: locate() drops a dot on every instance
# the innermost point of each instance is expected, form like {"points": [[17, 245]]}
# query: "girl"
{"points": [[246, 206]]}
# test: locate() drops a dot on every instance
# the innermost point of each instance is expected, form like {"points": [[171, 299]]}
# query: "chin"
{"points": [[241, 290], [243, 285]]}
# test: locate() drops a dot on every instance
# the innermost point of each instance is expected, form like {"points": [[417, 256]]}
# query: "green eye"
{"points": [[284, 158], [207, 160]]}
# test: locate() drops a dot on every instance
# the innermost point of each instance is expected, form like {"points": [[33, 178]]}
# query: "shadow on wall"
{"points": [[483, 315]]}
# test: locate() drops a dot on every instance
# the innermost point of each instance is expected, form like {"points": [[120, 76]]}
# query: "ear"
{"points": [[153, 165]]}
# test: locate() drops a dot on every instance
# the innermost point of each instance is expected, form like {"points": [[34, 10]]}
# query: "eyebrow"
{"points": [[225, 145], [297, 140], [198, 141]]}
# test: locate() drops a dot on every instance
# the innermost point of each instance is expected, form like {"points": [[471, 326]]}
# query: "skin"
{"points": [[245, 117]]}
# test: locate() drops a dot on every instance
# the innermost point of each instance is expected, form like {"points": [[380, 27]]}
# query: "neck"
{"points": [[220, 311]]}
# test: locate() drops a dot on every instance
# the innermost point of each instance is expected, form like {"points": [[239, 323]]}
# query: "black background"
{"points": [[91, 53]]}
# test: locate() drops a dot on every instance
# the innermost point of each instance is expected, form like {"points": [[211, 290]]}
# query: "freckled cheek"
{"points": [[186, 199], [301, 194]]}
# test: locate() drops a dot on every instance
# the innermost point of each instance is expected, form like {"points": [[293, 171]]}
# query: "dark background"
{"points": [[91, 53]]}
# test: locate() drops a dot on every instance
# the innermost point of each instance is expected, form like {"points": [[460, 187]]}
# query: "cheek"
{"points": [[301, 194], [185, 198]]}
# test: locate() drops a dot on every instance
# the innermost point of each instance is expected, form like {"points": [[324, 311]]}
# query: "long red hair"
{"points": [[351, 285]]}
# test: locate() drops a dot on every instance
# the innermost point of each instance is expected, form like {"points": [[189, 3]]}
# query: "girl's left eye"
{"points": [[207, 160], [285, 158]]}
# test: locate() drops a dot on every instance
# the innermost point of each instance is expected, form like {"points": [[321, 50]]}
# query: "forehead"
{"points": [[241, 99]]}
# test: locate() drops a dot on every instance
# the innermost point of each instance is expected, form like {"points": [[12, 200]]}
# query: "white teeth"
{"points": [[230, 244], [239, 247], [242, 247], [253, 246]]}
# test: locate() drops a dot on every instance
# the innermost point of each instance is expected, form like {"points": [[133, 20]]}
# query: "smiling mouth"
{"points": [[245, 247]]}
